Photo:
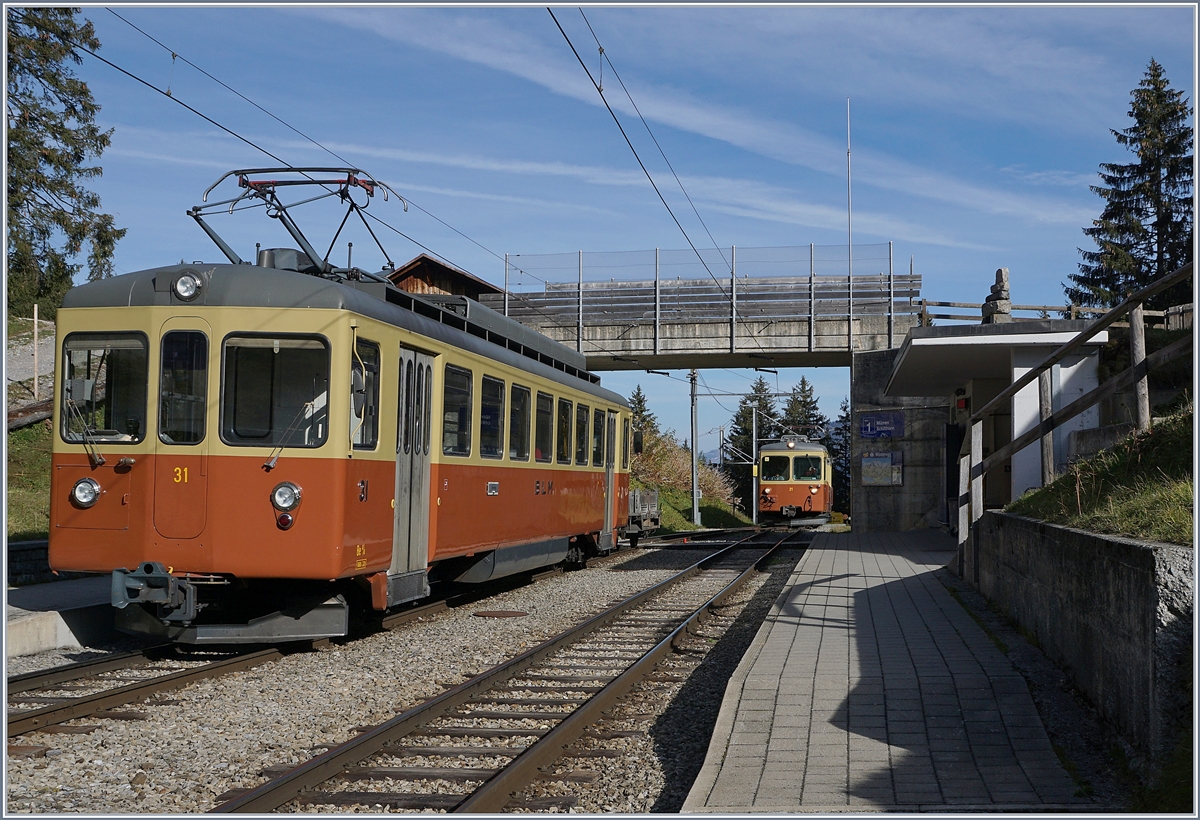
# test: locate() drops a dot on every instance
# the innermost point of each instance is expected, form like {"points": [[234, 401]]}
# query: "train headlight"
{"points": [[285, 497], [766, 490], [86, 492], [187, 286], [813, 490]]}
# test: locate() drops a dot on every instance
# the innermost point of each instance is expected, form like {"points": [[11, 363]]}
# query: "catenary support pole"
{"points": [[754, 465], [695, 456], [506, 284]]}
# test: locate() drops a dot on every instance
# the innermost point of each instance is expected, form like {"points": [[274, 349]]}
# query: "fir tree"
{"points": [[802, 415], [1145, 230], [741, 447], [839, 452], [643, 419], [52, 136]]}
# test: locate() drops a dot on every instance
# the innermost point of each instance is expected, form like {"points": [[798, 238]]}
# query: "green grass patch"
{"points": [[29, 482], [675, 513], [1142, 487]]}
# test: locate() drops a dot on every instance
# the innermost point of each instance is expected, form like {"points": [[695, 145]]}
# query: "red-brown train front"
{"points": [[253, 451]]}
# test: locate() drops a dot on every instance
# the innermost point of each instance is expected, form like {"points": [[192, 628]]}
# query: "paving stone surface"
{"points": [[869, 687]]}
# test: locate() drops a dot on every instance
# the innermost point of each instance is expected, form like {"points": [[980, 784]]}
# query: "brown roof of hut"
{"points": [[425, 274]]}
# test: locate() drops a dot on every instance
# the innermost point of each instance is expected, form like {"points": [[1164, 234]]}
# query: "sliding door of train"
{"points": [[607, 539], [410, 534]]}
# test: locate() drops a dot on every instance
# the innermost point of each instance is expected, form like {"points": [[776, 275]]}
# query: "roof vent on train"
{"points": [[286, 259]]}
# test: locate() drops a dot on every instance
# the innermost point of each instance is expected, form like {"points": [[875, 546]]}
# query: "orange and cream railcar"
{"points": [[249, 449], [795, 481]]}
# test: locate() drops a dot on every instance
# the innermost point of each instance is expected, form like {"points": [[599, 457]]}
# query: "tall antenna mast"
{"points": [[849, 242]]}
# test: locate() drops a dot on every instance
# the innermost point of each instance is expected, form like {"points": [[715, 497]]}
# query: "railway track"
{"points": [[40, 701], [516, 719]]}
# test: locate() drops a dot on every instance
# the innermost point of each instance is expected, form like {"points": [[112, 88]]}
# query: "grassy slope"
{"points": [[29, 482], [1142, 487]]}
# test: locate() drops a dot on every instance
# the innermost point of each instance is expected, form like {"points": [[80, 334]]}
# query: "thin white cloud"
{"points": [[480, 39]]}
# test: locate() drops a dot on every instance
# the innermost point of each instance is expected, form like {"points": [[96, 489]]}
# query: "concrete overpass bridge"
{"points": [[740, 307]]}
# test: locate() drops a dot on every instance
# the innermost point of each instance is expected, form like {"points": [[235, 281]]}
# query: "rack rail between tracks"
{"points": [[549, 745]]}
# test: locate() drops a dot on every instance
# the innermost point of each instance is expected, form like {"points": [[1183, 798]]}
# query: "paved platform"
{"points": [[869, 688], [57, 615]]}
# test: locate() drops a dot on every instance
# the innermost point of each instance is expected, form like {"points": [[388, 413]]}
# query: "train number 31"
{"points": [[181, 475]]}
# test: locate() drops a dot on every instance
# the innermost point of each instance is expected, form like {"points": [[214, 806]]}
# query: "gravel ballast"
{"points": [[220, 734]]}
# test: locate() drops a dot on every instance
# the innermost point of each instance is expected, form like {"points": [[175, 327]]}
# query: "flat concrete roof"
{"points": [[934, 361]]}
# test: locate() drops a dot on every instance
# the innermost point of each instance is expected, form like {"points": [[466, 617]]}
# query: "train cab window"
{"points": [[563, 451], [807, 468], [491, 418], [775, 468], [625, 445], [182, 387], [104, 388], [518, 424], [598, 439], [582, 414], [275, 391], [364, 396], [543, 439], [456, 412]]}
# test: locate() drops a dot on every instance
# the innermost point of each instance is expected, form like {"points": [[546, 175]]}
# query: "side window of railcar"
{"points": [[182, 386], [275, 391], [808, 468], [518, 424], [598, 438], [543, 441], [104, 387], [563, 452], [625, 445], [364, 396], [582, 414], [428, 401], [775, 468], [456, 412], [491, 418], [404, 415]]}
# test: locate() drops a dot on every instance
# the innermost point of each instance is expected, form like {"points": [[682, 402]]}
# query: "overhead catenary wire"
{"points": [[287, 164], [642, 165], [605, 58]]}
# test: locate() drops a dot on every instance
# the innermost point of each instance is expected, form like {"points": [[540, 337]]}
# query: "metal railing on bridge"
{"points": [[755, 288]]}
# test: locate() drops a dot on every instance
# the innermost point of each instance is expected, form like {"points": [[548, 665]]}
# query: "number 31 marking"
{"points": [[181, 476]]}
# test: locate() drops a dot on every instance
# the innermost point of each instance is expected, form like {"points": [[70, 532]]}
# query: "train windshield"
{"points": [[775, 468], [104, 387], [808, 468], [275, 391]]}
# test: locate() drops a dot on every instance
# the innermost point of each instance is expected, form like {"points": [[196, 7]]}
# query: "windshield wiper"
{"points": [[88, 444]]}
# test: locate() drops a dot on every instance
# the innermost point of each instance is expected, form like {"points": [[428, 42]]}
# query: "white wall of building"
{"points": [[1073, 377]]}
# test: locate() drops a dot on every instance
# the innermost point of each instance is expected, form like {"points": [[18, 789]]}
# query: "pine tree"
{"points": [[1145, 230], [643, 419], [802, 415], [52, 135], [839, 452], [741, 447]]}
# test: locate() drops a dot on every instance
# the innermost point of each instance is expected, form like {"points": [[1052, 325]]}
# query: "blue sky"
{"points": [[976, 133]]}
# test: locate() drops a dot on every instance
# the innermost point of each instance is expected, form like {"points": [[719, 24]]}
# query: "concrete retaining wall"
{"points": [[1115, 613]]}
